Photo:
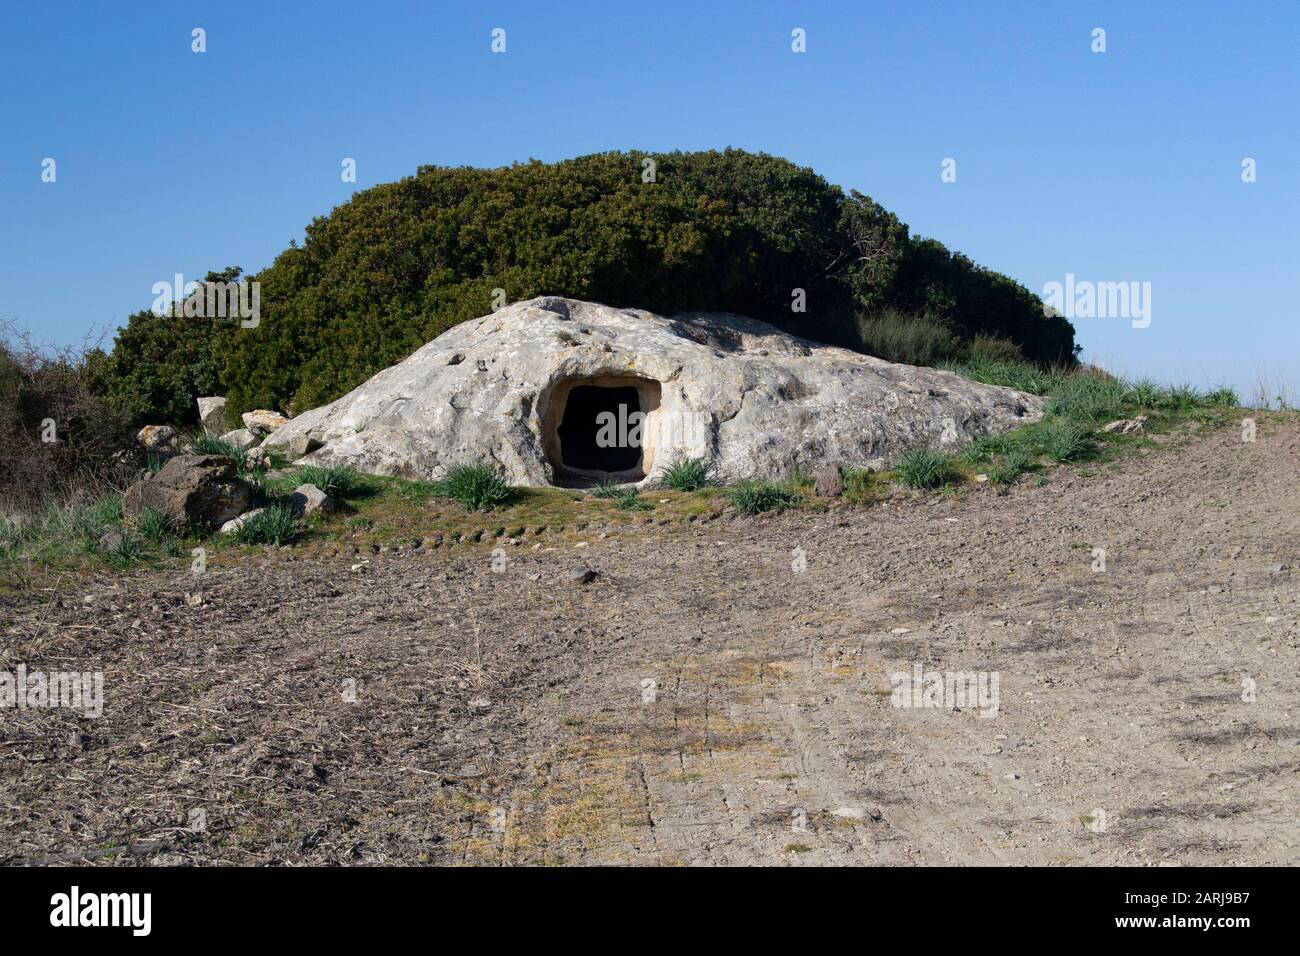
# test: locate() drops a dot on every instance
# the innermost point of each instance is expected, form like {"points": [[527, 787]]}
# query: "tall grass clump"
{"points": [[275, 524], [477, 487], [686, 474], [752, 497], [337, 481], [1063, 440], [922, 468], [910, 339]]}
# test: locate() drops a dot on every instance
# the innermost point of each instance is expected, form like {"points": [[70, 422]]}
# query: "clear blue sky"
{"points": [[1122, 166]]}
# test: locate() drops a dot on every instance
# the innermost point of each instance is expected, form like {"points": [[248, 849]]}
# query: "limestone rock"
{"points": [[157, 438], [295, 448], [234, 524], [1127, 426], [212, 414], [262, 421], [308, 499], [201, 489], [828, 481], [241, 438], [533, 389]]}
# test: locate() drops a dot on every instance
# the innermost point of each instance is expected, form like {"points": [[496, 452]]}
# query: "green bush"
{"points": [[921, 468], [402, 262], [686, 474], [477, 487], [752, 497]]}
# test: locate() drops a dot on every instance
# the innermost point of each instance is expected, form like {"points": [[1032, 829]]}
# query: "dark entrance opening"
{"points": [[584, 416]]}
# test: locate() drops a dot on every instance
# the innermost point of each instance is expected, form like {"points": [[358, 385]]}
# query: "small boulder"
{"points": [[828, 481], [212, 414], [581, 575], [1127, 426], [234, 524], [298, 446], [308, 499], [200, 489], [262, 421], [258, 456], [241, 438], [157, 438], [110, 540]]}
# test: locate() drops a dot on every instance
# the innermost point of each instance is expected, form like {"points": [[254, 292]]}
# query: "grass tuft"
{"points": [[752, 497], [477, 487]]}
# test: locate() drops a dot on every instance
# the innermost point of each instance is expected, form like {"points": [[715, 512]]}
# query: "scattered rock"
{"points": [[109, 541], [828, 481], [258, 456], [1127, 426], [234, 524], [582, 575], [212, 414], [262, 421], [202, 490], [241, 438], [308, 499], [157, 438], [298, 446]]}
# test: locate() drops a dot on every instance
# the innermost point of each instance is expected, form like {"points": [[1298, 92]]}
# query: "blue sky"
{"points": [[1115, 166]]}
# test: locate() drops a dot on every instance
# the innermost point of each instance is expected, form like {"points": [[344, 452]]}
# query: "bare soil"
{"points": [[702, 701]]}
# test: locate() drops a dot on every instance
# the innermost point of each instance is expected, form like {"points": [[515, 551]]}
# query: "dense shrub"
{"points": [[161, 363], [402, 262], [50, 394]]}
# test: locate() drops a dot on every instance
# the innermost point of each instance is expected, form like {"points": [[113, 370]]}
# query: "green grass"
{"points": [[1008, 468], [862, 487], [922, 468], [477, 487], [686, 474], [154, 525], [629, 500], [211, 445], [1063, 440], [337, 481], [607, 489], [753, 497], [275, 524]]}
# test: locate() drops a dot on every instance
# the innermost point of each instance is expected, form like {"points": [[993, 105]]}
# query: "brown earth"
{"points": [[500, 713]]}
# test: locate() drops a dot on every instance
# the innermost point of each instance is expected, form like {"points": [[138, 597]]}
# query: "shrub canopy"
{"points": [[400, 263]]}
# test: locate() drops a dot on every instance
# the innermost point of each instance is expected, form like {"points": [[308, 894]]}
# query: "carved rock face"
{"points": [[557, 391]]}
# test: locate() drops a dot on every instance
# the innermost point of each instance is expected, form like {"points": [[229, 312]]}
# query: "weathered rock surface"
{"points": [[241, 438], [750, 399], [234, 524], [308, 499], [262, 421], [201, 489], [827, 481], [212, 414], [298, 446], [156, 438]]}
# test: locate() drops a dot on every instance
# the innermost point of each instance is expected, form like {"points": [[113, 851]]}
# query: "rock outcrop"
{"points": [[558, 391], [202, 490], [212, 414]]}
